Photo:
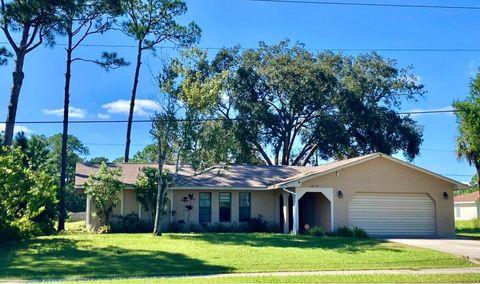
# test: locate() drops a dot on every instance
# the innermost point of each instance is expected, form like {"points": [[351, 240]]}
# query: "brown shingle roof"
{"points": [[244, 176], [471, 197]]}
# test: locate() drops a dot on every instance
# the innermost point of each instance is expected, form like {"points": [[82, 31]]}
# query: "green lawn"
{"points": [[81, 255], [467, 229], [439, 278]]}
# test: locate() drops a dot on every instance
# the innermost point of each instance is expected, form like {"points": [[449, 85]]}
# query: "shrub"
{"points": [[359, 233], [28, 206], [130, 224], [476, 223], [258, 224], [344, 232], [316, 231], [330, 234]]}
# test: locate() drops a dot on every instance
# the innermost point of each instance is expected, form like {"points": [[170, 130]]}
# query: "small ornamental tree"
{"points": [[146, 188], [102, 187]]}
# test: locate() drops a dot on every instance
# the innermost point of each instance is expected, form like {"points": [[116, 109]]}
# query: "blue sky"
{"points": [[97, 94]]}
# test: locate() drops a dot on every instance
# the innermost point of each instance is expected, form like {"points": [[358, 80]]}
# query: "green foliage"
{"points": [[154, 21], [316, 231], [353, 232], [103, 187], [468, 117], [4, 55], [44, 153], [130, 224], [344, 232], [149, 154], [28, 203], [97, 160], [290, 106], [146, 188], [359, 233], [476, 223]]}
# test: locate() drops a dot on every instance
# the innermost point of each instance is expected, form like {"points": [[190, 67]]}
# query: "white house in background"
{"points": [[467, 206]]}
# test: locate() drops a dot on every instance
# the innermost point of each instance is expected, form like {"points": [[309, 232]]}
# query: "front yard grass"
{"points": [[467, 229], [80, 256], [379, 278]]}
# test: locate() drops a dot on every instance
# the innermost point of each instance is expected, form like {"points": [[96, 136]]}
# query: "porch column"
{"points": [[286, 225], [295, 214], [87, 217]]}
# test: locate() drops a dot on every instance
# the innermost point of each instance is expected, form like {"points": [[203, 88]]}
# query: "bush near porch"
{"points": [[81, 255]]}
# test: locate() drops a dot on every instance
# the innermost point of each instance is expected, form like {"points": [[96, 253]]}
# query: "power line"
{"points": [[207, 119], [335, 3], [310, 49]]}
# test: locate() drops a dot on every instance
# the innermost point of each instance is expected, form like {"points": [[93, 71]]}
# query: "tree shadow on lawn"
{"points": [[339, 244], [62, 258]]}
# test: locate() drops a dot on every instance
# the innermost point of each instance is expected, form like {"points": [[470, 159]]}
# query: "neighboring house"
{"points": [[467, 206], [381, 194]]}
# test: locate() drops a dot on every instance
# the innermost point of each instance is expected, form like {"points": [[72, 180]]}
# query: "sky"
{"points": [[100, 95]]}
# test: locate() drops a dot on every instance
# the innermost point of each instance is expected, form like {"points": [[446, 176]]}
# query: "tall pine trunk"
{"points": [[64, 154], [17, 82], [157, 228], [132, 101], [17, 79]]}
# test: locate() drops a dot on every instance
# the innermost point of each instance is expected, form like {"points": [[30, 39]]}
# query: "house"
{"points": [[383, 195], [467, 206]]}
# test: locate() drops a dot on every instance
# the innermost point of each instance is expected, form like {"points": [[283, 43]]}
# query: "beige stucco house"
{"points": [[467, 206], [381, 194]]}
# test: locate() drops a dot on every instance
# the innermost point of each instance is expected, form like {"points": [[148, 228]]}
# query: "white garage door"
{"points": [[393, 214]]}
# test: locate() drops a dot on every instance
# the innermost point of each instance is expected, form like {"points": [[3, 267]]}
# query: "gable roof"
{"points": [[335, 166], [243, 176], [471, 197]]}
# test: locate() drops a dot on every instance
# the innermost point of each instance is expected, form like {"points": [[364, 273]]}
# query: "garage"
{"points": [[393, 214]]}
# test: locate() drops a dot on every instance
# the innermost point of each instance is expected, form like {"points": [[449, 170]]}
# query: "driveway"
{"points": [[460, 247]]}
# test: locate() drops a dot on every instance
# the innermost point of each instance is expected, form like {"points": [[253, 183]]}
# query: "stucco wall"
{"points": [[468, 211], [262, 202], [381, 175]]}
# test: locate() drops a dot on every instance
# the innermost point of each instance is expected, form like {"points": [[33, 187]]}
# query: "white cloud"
{"points": [[472, 69], [16, 129], [142, 107], [103, 116], [73, 112], [443, 110]]}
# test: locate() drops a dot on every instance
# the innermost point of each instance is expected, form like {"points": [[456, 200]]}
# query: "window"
{"points": [[205, 207], [457, 212], [225, 199], [244, 206]]}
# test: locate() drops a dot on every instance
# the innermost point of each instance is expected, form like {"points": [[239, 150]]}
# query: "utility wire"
{"points": [[364, 4], [206, 119], [310, 49]]}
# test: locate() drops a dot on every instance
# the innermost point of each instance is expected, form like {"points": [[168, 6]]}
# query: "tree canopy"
{"points": [[468, 117], [287, 105]]}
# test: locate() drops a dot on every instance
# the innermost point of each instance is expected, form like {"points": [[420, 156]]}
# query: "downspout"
{"points": [[295, 210]]}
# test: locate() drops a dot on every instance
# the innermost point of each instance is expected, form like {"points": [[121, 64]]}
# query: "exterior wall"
{"points": [[381, 175], [262, 202], [128, 205], [466, 211]]}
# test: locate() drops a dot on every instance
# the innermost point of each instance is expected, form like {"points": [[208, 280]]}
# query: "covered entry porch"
{"points": [[306, 206]]}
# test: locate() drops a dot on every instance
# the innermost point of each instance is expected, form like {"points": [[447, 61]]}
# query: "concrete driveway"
{"points": [[460, 247]]}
